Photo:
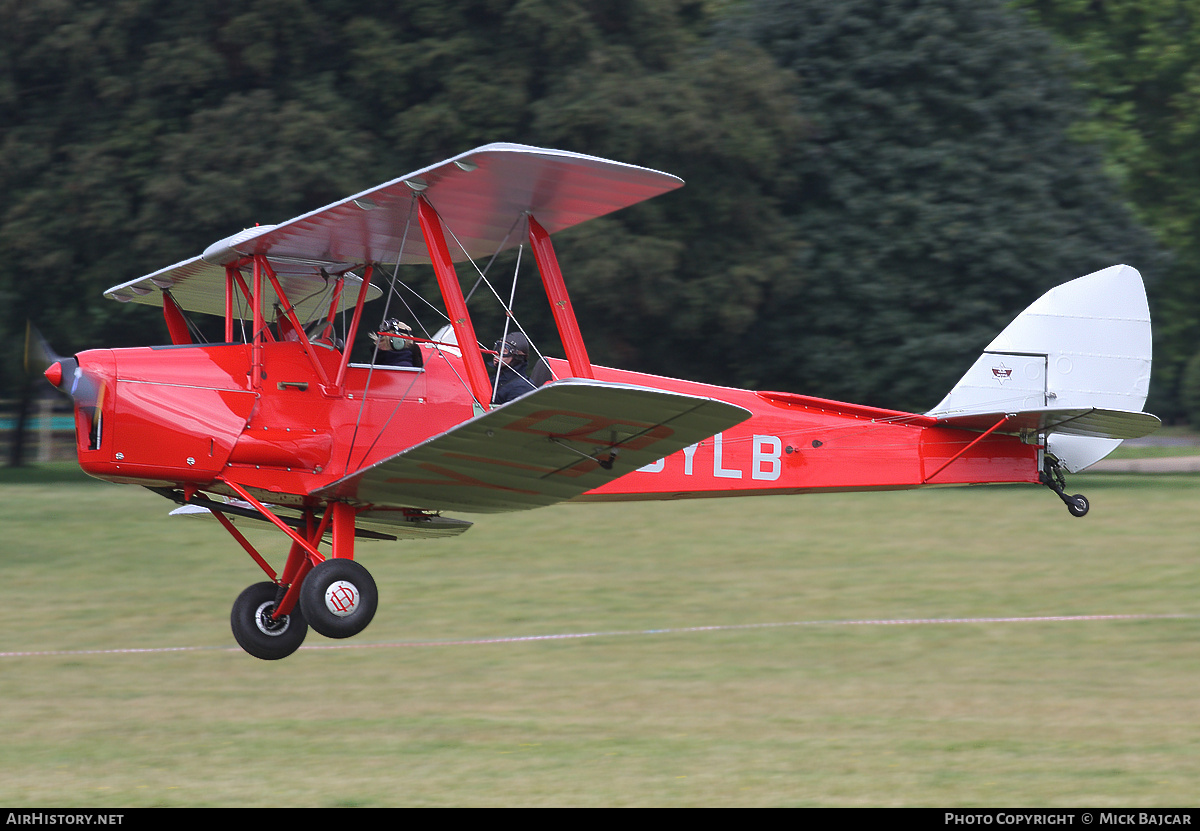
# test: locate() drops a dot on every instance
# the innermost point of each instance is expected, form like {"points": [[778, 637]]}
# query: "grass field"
{"points": [[803, 695]]}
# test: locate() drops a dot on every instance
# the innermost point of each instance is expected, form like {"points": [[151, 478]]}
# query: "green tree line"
{"points": [[874, 187], [1138, 63]]}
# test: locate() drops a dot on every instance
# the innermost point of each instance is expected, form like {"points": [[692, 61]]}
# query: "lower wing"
{"points": [[551, 445]]}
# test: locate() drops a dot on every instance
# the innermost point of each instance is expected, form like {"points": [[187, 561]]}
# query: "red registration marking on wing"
{"points": [[593, 428], [480, 460], [583, 466], [454, 478]]}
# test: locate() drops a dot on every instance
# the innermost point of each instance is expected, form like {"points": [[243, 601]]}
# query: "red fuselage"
{"points": [[183, 416]]}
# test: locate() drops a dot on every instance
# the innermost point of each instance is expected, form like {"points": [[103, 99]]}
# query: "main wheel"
{"points": [[339, 598], [1078, 506], [260, 634]]}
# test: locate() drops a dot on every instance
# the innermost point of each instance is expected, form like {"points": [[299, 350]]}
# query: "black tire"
{"points": [[339, 598], [1078, 506], [259, 634]]}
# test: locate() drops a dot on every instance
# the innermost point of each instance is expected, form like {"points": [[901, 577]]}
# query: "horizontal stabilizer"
{"points": [[551, 445], [1090, 422]]}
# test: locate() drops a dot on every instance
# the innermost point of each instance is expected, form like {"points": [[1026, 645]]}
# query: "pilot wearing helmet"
{"points": [[395, 345], [512, 366]]}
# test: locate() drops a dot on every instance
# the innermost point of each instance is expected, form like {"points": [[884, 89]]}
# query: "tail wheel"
{"points": [[260, 634], [1052, 477], [339, 598]]}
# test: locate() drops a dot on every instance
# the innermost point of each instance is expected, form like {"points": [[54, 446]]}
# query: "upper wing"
{"points": [[553, 444], [1090, 422], [480, 195]]}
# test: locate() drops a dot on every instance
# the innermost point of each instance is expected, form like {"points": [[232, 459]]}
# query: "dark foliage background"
{"points": [[875, 187]]}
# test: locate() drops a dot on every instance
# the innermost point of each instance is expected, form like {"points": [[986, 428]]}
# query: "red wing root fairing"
{"points": [[276, 424]]}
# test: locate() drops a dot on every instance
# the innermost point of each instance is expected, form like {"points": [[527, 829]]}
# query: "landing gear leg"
{"points": [[1052, 477], [338, 596]]}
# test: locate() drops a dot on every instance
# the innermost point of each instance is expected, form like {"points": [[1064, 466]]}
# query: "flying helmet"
{"points": [[515, 344], [397, 333]]}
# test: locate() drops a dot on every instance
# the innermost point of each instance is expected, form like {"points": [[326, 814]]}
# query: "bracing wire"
{"points": [[396, 284], [484, 280], [508, 318], [495, 254]]}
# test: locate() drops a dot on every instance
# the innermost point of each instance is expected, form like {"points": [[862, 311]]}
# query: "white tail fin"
{"points": [[1084, 345]]}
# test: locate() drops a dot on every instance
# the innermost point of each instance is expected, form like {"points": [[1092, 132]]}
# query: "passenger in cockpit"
{"points": [[395, 346]]}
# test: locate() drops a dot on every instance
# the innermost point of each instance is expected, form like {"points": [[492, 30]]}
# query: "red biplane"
{"points": [[276, 423]]}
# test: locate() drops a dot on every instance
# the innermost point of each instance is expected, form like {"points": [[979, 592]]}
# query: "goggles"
{"points": [[504, 349]]}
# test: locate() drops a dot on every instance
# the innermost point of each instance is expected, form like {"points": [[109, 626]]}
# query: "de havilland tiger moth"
{"points": [[276, 423]]}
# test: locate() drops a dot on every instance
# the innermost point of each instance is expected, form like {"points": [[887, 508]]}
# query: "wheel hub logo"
{"points": [[341, 598]]}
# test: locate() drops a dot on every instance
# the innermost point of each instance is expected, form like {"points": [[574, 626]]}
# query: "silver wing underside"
{"points": [[551, 445]]}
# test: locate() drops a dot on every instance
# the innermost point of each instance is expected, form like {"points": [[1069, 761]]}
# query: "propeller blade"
{"points": [[39, 356], [64, 374]]}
